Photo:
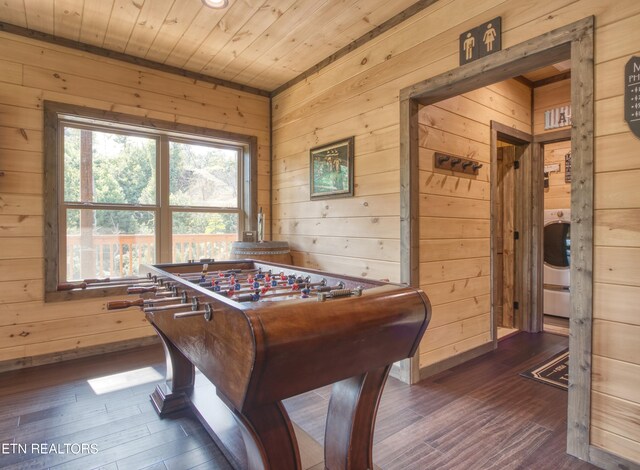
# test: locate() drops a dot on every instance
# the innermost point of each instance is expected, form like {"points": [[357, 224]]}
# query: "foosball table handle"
{"points": [[120, 304], [72, 285], [95, 280], [141, 290]]}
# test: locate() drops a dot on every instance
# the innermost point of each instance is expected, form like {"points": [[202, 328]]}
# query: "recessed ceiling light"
{"points": [[215, 3]]}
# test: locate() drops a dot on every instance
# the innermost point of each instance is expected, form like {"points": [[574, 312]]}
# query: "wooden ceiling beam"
{"points": [[549, 80], [524, 80]]}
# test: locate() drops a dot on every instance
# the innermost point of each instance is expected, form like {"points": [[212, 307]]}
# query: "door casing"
{"points": [[573, 41]]}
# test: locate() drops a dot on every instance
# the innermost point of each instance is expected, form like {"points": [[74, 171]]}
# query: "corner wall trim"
{"points": [[81, 46]]}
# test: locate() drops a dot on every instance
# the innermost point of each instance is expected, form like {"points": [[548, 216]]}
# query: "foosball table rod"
{"points": [[322, 296], [248, 288], [121, 304], [156, 289], [194, 306], [256, 296], [225, 272]]}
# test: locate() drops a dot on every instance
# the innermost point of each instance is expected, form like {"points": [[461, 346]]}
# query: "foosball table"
{"points": [[241, 336]]}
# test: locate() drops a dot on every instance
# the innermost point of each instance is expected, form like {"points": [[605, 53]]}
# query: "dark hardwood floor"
{"points": [[480, 415]]}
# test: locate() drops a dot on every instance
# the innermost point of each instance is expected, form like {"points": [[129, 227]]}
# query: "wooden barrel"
{"points": [[274, 252]]}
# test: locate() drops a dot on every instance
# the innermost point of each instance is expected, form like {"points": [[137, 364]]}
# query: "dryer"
{"points": [[557, 260]]}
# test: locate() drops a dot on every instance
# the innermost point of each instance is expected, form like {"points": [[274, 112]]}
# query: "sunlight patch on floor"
{"points": [[131, 378]]}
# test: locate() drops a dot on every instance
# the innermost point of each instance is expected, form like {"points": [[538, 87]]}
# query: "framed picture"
{"points": [[331, 170]]}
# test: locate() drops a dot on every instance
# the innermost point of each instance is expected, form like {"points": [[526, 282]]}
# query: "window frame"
{"points": [[59, 115]]}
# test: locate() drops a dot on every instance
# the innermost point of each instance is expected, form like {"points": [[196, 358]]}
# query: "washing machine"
{"points": [[557, 259]]}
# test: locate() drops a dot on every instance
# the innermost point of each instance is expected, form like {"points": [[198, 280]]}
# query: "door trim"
{"points": [[574, 41]]}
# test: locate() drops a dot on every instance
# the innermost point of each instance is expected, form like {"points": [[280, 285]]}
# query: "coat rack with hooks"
{"points": [[444, 161]]}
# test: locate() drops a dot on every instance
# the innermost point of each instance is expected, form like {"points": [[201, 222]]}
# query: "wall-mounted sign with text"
{"points": [[557, 117], [481, 41], [632, 95]]}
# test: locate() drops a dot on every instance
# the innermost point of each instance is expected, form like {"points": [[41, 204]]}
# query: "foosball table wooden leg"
{"points": [[348, 439], [172, 395], [269, 438]]}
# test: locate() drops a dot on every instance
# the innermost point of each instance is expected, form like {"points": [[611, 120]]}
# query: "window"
{"points": [[122, 191]]}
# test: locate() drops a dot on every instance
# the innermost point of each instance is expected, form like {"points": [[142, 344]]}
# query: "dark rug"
{"points": [[553, 371]]}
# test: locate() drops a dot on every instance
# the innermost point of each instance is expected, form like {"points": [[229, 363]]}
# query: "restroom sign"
{"points": [[481, 41], [632, 95]]}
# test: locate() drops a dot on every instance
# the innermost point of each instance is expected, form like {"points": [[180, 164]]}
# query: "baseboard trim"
{"points": [[607, 460], [60, 356], [433, 369]]}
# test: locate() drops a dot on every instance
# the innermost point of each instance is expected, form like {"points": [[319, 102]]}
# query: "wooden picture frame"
{"points": [[331, 170]]}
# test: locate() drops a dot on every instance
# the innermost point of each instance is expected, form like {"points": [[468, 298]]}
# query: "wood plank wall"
{"points": [[615, 397], [358, 95], [31, 72], [554, 95], [548, 97], [558, 194], [455, 251]]}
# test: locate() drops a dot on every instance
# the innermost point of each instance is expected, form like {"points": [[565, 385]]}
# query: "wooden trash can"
{"points": [[274, 252]]}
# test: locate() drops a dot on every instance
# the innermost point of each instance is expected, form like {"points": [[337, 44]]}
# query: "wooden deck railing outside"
{"points": [[121, 255]]}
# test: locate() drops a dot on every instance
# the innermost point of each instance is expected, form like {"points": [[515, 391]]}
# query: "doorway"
{"points": [[519, 203], [511, 242], [556, 280], [505, 234], [575, 42]]}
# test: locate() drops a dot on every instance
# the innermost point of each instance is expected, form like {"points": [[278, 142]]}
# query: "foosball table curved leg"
{"points": [[348, 439], [172, 394], [269, 438]]}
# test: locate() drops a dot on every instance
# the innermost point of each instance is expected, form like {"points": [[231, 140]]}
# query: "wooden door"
{"points": [[505, 229], [527, 239]]}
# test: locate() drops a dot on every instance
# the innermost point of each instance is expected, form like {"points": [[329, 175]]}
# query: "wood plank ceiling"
{"points": [[260, 43]]}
